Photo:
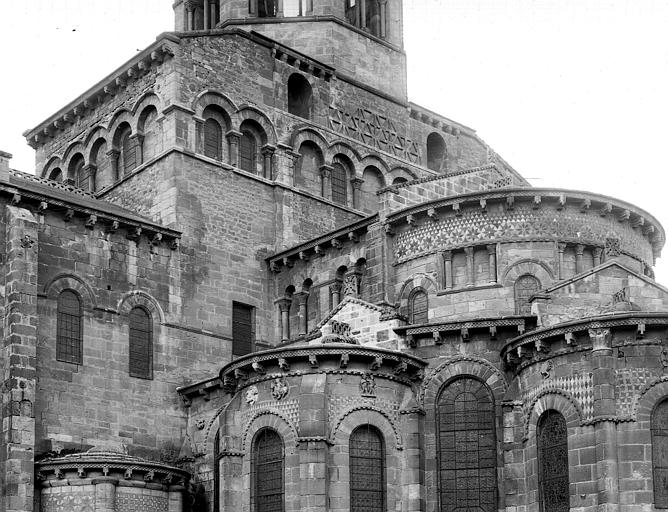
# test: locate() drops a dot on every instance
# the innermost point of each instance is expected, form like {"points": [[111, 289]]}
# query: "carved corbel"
{"points": [[483, 205], [43, 205], [81, 472], [607, 209], [523, 352], [411, 340], [258, 368], [336, 243], [91, 221], [274, 267], [376, 364], [239, 374], [157, 238], [511, 358], [69, 214], [562, 202], [536, 202], [640, 331], [492, 332], [343, 362], [389, 230], [586, 204], [174, 245], [623, 216], [319, 250], [570, 339], [229, 384], [400, 368], [438, 338], [303, 256], [283, 364], [134, 234], [410, 220], [432, 214], [313, 360], [288, 263], [352, 236], [16, 199], [541, 346], [510, 202], [464, 334], [457, 209]]}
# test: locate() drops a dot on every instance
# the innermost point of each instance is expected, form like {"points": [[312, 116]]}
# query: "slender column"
{"points": [[105, 494], [213, 20], [469, 266], [268, 161], [562, 249], [326, 175], [279, 10], [579, 263], [302, 313], [447, 269], [357, 189], [233, 138], [491, 253], [114, 155], [335, 290], [597, 256], [284, 317], [206, 15], [362, 13], [190, 7], [383, 18]]}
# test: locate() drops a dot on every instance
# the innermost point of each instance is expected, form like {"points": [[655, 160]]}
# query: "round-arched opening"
{"points": [[300, 96], [436, 152]]}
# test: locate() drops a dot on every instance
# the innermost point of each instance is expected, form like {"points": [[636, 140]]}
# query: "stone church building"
{"points": [[249, 275]]}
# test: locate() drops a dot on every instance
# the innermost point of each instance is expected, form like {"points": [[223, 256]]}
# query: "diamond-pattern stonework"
{"points": [[289, 408], [522, 223], [68, 503], [336, 405], [630, 382], [580, 387]]}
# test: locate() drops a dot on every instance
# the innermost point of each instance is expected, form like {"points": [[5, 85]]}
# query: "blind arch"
{"points": [[465, 426], [69, 328]]}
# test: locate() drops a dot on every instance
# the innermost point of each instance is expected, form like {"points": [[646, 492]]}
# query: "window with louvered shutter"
{"points": [[69, 336], [466, 447], [213, 139], [367, 470], [553, 482], [247, 152], [267, 460], [419, 312], [141, 344], [339, 184], [129, 151], [243, 331], [660, 454]]}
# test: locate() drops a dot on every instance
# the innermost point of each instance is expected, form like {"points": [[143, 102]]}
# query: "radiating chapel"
{"points": [[249, 275]]}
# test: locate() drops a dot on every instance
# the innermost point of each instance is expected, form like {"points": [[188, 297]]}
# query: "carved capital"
{"points": [[601, 339]]}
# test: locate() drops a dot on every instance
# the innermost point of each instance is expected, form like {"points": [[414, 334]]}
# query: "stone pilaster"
{"points": [[284, 317], [447, 269], [326, 176], [312, 450], [470, 276], [268, 161], [491, 254], [105, 494], [17, 459], [302, 314], [233, 138], [413, 476]]}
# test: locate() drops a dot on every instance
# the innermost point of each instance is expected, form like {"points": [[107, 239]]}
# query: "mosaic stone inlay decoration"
{"points": [[68, 503], [375, 130], [522, 223], [338, 404], [580, 387], [134, 502], [289, 408], [629, 383]]}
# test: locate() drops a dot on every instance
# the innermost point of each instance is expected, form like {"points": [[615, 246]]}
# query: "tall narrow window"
{"points": [[247, 151], [56, 174], [367, 470], [436, 152], [525, 287], [419, 308], [267, 8], [141, 344], [351, 12], [76, 172], [373, 17], [69, 334], [213, 139], [466, 447], [339, 184], [267, 461], [553, 462], [660, 454], [243, 331]]}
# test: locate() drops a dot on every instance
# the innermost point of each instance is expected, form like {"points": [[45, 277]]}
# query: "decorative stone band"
{"points": [[318, 246], [332, 357], [528, 347], [81, 467], [524, 214], [155, 54]]}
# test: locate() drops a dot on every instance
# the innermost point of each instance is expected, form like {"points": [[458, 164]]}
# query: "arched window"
{"points": [[101, 165], [553, 483], [419, 307], [367, 15], [465, 422], [141, 344], [128, 151], [367, 470], [148, 127], [373, 17], [525, 287], [213, 139], [308, 168], [247, 152], [339, 184], [76, 172], [69, 328], [267, 470], [351, 12], [56, 174], [660, 454], [436, 152], [300, 96], [399, 180], [266, 8]]}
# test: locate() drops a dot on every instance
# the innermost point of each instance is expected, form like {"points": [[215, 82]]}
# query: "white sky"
{"points": [[572, 93]]}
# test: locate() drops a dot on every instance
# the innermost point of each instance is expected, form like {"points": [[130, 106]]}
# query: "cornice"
{"points": [[318, 246], [135, 68], [464, 326]]}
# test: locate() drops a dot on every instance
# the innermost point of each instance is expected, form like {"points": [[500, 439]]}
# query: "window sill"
{"points": [[469, 288]]}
